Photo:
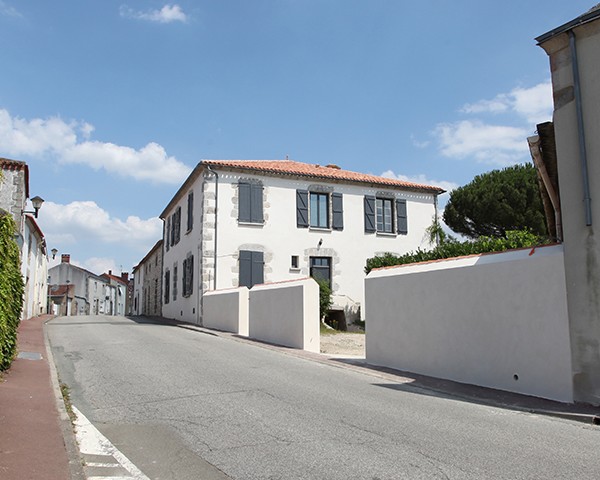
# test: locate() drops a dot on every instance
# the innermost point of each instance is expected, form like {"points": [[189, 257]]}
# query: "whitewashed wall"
{"points": [[279, 237], [286, 313], [227, 310], [497, 320]]}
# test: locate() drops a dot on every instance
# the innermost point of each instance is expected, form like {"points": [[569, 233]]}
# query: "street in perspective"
{"points": [[179, 401]]}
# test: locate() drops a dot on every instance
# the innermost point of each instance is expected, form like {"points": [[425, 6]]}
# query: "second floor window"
{"points": [[385, 215], [250, 202], [319, 210]]}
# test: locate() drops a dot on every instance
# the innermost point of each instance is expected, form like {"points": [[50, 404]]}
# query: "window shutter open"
{"points": [[245, 268], [337, 208], [256, 201], [401, 217], [302, 208], [190, 211], [370, 214]]}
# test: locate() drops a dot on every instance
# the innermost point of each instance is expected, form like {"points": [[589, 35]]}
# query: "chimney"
{"points": [[125, 276], [110, 272], [65, 258]]}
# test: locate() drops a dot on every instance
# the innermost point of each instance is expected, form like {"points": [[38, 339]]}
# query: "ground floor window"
{"points": [[252, 267], [320, 268]]}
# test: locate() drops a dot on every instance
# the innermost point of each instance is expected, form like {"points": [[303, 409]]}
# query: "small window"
{"points": [[295, 261]]}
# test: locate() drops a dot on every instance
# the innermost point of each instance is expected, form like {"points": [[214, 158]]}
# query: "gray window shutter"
{"points": [[190, 211], [256, 202], [245, 268], [401, 217], [337, 208], [302, 208], [244, 202], [258, 268], [370, 214], [190, 274], [168, 234]]}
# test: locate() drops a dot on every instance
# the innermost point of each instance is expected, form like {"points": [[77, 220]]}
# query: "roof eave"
{"points": [[582, 19]]}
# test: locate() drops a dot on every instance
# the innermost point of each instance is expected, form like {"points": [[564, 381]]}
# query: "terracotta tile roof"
{"points": [[329, 172]]}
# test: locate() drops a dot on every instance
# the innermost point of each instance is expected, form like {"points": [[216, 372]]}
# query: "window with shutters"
{"points": [[168, 234], [319, 210], [188, 275], [190, 212], [176, 226], [385, 215], [174, 282], [250, 202], [251, 268], [167, 286]]}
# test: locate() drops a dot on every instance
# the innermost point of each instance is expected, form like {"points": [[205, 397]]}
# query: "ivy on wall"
{"points": [[11, 290]]}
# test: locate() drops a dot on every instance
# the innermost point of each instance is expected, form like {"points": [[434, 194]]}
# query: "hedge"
{"points": [[11, 290], [452, 248]]}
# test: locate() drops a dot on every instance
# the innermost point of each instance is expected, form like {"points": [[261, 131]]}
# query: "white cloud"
{"points": [[55, 137], [82, 221], [419, 143], [8, 10], [167, 14], [100, 265], [533, 104], [490, 144], [422, 179]]}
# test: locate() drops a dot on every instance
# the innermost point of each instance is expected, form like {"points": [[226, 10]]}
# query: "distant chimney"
{"points": [[65, 258], [110, 272], [125, 276]]}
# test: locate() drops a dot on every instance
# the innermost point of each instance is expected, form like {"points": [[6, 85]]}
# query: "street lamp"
{"points": [[54, 251], [37, 204]]}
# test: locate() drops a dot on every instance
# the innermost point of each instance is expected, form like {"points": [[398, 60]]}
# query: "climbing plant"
{"points": [[11, 290]]}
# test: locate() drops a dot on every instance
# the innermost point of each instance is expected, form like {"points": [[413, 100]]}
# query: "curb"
{"points": [[75, 460]]}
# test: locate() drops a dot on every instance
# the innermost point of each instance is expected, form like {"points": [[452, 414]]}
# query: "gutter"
{"points": [[216, 223], [581, 130]]}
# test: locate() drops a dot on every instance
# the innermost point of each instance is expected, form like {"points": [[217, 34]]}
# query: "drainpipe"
{"points": [[437, 220], [216, 218], [580, 127]]}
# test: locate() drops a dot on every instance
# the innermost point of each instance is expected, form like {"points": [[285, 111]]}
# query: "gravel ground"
{"points": [[343, 343]]}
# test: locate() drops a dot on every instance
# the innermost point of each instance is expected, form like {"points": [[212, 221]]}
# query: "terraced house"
{"points": [[241, 223]]}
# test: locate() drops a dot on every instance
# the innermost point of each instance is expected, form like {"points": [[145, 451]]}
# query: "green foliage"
{"points": [[452, 248], [11, 291], [496, 202], [325, 301]]}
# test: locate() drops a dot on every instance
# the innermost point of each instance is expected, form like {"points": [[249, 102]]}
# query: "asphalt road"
{"points": [[184, 403]]}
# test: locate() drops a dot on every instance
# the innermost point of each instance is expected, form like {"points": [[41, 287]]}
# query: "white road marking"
{"points": [[92, 442]]}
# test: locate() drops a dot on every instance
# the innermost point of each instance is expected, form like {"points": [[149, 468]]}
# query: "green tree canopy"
{"points": [[496, 202]]}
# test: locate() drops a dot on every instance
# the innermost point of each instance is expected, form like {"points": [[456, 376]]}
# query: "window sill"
{"points": [[319, 229], [295, 270], [387, 234], [251, 224]]}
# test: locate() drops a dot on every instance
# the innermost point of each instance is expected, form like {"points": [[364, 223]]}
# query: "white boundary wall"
{"points": [[227, 310], [286, 313], [496, 320]]}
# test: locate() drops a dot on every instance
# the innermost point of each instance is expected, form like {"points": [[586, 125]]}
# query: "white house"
{"points": [[34, 267], [147, 276], [235, 223]]}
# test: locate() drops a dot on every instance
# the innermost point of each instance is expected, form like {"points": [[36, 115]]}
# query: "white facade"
{"points": [[287, 251], [34, 267]]}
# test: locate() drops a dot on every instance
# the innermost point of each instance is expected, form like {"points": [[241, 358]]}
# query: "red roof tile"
{"points": [[330, 172]]}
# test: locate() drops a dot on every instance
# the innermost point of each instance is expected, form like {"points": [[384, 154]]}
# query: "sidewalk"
{"points": [[33, 426]]}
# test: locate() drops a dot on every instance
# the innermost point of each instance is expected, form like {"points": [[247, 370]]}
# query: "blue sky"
{"points": [[112, 103]]}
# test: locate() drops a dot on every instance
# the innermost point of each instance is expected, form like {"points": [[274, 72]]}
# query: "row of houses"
{"points": [[241, 223], [65, 289]]}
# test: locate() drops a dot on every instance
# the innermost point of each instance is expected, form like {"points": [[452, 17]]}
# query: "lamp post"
{"points": [[37, 202]]}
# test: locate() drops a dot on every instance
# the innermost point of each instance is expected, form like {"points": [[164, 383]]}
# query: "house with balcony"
{"points": [[242, 223]]}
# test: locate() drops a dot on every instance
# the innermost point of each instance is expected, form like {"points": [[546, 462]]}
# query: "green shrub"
{"points": [[452, 248], [325, 301], [11, 290]]}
